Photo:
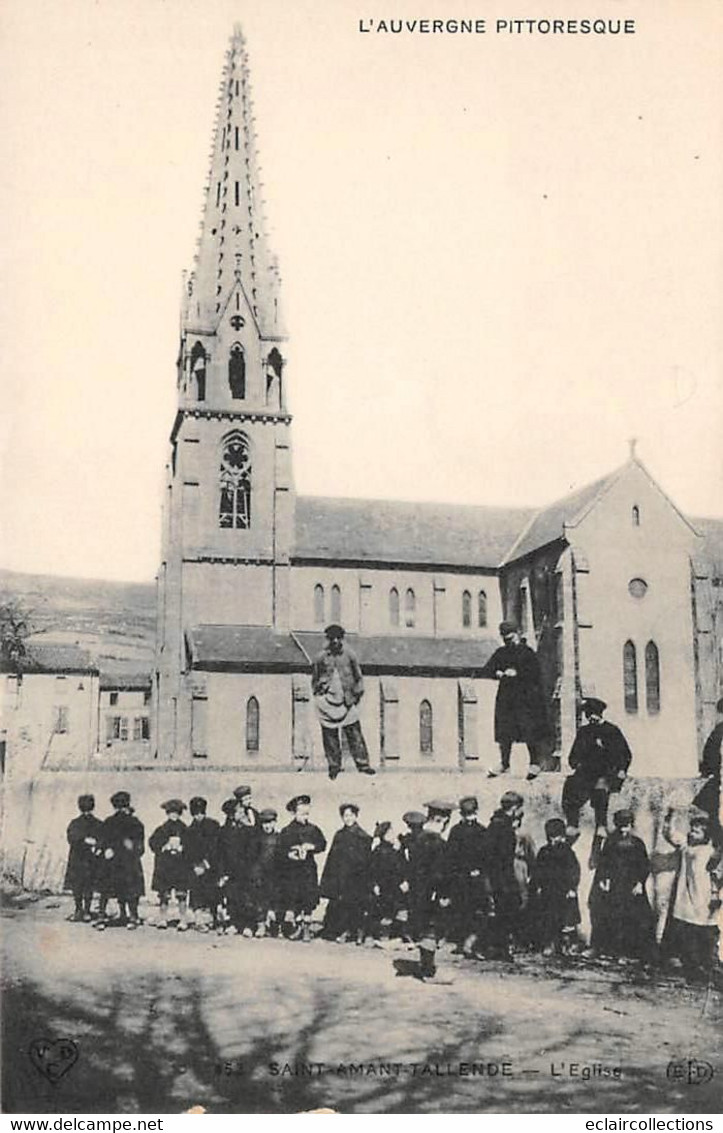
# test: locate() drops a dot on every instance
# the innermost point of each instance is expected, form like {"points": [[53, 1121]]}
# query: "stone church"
{"points": [[617, 590]]}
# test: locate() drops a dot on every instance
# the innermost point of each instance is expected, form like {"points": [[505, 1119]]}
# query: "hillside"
{"points": [[114, 621]]}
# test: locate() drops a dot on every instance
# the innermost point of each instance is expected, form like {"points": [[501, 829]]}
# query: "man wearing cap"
{"points": [[414, 820], [299, 843], [201, 848], [599, 759], [520, 709], [171, 871], [432, 872], [238, 851], [81, 875], [338, 686], [123, 846], [467, 863], [345, 880]]}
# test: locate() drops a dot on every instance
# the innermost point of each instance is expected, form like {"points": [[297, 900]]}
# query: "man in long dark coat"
{"points": [[622, 920], [201, 846], [501, 846], [414, 821], [599, 758], [345, 879], [708, 798], [123, 844], [81, 875], [171, 871], [520, 708], [299, 843], [238, 847], [469, 884]]}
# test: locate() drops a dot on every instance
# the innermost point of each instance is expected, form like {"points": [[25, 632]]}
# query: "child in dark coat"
{"points": [[386, 875], [201, 852], [299, 843], [265, 875], [81, 875], [238, 851], [504, 885], [123, 846], [171, 871], [555, 913], [345, 880], [622, 920]]}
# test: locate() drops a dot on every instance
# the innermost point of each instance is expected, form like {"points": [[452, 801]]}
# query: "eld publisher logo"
{"points": [[691, 1071]]}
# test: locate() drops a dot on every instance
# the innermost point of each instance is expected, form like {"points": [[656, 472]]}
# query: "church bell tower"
{"points": [[229, 499]]}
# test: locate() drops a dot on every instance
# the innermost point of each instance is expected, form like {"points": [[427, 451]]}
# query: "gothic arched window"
{"points": [[630, 677], [319, 604], [466, 609], [237, 372], [426, 728], [235, 482], [274, 366], [410, 605], [198, 373], [652, 678], [394, 606], [335, 603], [636, 515], [482, 609], [252, 724]]}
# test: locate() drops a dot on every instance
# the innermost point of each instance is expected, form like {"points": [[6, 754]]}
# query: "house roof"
{"points": [[125, 681], [404, 532], [258, 649], [52, 658]]}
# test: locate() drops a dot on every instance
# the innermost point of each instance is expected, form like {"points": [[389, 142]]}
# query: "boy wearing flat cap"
{"points": [[201, 852], [599, 759], [554, 909], [299, 843], [171, 870], [431, 867], [338, 686], [501, 847], [265, 874], [520, 708], [123, 845], [621, 917], [414, 821], [386, 876], [239, 840], [469, 889], [345, 879], [81, 875]]}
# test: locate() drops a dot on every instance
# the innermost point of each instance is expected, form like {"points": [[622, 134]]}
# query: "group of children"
{"points": [[483, 889]]}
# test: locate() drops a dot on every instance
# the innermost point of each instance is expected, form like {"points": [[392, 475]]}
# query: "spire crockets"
{"points": [[232, 248]]}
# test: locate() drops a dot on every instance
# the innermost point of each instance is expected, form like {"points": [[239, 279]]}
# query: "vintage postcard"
{"points": [[360, 602]]}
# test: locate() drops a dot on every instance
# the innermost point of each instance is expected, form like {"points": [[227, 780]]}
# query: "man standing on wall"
{"points": [[520, 712], [338, 686]]}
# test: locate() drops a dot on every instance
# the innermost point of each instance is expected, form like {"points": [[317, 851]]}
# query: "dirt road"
{"points": [[165, 1021]]}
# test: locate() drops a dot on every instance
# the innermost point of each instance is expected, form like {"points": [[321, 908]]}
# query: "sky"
{"points": [[502, 255]]}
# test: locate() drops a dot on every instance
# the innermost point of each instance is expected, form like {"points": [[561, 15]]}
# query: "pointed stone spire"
{"points": [[232, 247]]}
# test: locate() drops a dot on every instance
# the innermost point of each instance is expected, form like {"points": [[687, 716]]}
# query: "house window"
{"points": [[319, 604], [335, 603], [482, 609], [394, 606], [630, 677], [466, 609], [147, 696], [113, 698], [235, 482], [426, 728], [141, 729], [652, 678], [636, 515], [61, 724], [252, 724], [237, 372], [409, 607]]}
